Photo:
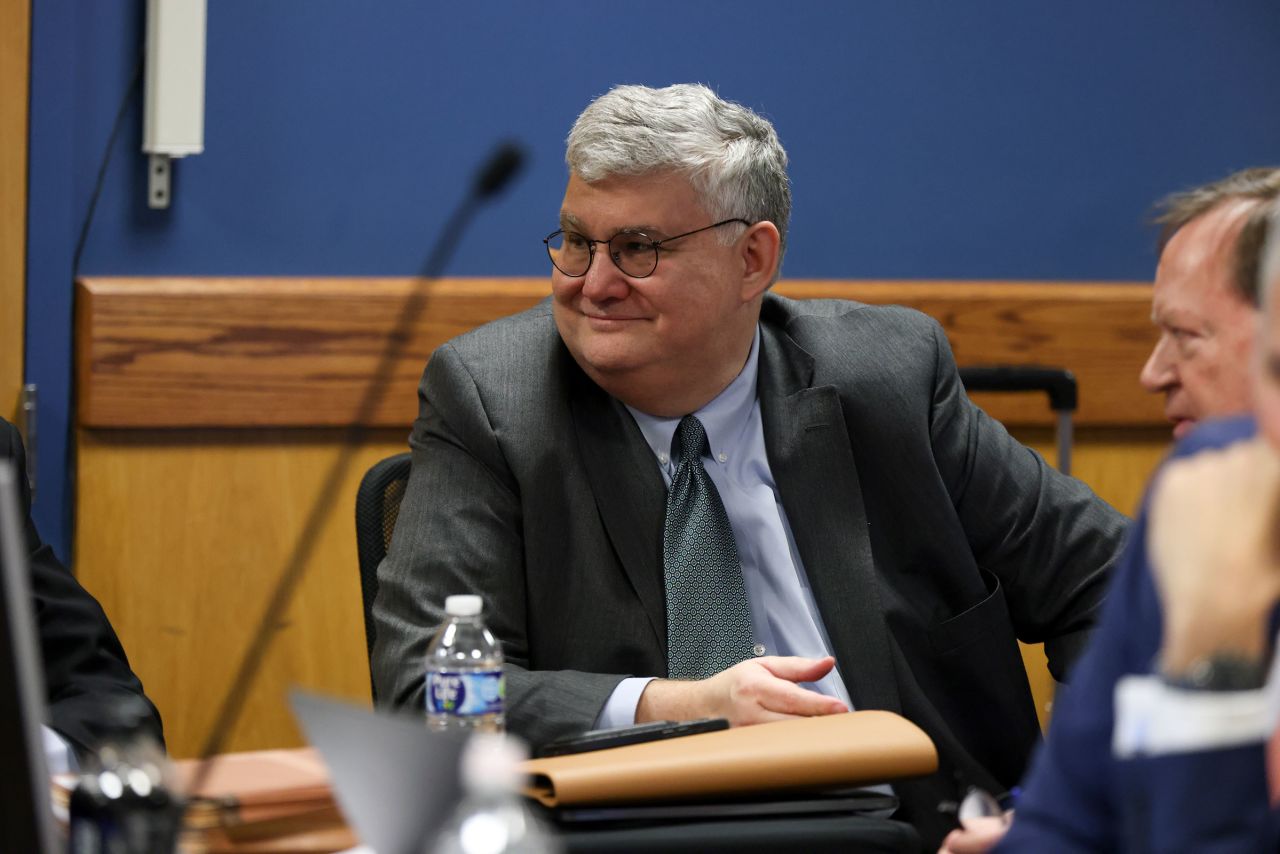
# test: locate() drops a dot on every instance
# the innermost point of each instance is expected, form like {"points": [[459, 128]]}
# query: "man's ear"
{"points": [[761, 247]]}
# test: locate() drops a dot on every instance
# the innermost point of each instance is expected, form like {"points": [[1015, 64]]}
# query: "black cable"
{"points": [[69, 454], [134, 80]]}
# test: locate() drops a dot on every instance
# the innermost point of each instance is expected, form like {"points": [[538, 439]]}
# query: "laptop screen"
{"points": [[25, 811]]}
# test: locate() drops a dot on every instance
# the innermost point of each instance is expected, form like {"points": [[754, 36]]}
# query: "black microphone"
{"points": [[503, 165], [494, 175]]}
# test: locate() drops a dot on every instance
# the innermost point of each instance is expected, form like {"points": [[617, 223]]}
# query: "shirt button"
{"points": [[662, 458], [758, 649], [723, 457]]}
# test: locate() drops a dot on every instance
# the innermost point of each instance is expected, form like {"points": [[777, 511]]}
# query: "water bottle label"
{"points": [[472, 692]]}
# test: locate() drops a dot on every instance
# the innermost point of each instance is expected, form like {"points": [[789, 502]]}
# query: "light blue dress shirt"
{"points": [[784, 616]]}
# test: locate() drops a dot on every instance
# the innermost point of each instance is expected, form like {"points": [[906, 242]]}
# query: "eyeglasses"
{"points": [[633, 252]]}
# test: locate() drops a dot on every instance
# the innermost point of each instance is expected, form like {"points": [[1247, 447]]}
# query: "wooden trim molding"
{"points": [[15, 67], [295, 352]]}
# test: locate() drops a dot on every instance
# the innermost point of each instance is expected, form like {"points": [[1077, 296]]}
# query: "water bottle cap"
{"points": [[465, 605]]}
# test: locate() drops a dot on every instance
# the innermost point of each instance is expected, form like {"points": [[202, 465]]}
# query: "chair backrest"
{"points": [[377, 506]]}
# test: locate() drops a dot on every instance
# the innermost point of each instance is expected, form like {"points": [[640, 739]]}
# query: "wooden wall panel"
{"points": [[300, 352], [15, 52], [264, 352], [182, 533], [1101, 331]]}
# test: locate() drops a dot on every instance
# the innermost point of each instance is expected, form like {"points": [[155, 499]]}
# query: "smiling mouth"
{"points": [[608, 318]]}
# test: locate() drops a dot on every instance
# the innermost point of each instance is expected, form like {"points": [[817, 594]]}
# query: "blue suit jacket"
{"points": [[1078, 797]]}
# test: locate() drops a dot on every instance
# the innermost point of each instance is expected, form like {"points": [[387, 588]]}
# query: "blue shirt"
{"points": [[784, 616]]}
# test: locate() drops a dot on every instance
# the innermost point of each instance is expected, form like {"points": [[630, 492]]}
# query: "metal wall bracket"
{"points": [[159, 172]]}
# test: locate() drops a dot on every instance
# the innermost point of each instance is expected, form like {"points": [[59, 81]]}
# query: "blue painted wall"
{"points": [[986, 139]]}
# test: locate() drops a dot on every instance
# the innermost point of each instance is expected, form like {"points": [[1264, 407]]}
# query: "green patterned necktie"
{"points": [[708, 618]]}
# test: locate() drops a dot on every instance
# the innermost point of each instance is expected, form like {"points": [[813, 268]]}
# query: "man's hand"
{"points": [[753, 692], [1214, 540], [978, 836]]}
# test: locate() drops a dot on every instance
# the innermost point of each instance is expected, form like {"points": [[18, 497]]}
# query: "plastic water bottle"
{"points": [[493, 818], [124, 802], [465, 687]]}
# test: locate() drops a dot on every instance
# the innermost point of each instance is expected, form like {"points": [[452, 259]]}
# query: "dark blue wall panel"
{"points": [[985, 139]]}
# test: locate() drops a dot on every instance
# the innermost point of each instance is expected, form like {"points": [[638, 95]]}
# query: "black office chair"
{"points": [[377, 506], [1058, 383]]}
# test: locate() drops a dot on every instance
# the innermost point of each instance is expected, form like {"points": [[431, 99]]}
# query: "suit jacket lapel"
{"points": [[813, 465], [628, 488]]}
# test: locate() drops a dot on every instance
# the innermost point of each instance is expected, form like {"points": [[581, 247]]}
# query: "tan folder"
{"points": [[834, 751], [257, 786]]}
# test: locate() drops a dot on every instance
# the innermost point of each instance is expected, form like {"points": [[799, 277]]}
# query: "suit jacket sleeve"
{"points": [[86, 671], [1208, 801], [1071, 800], [1080, 797], [1047, 537], [460, 531]]}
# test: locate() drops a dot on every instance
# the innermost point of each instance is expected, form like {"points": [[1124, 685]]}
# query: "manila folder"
{"points": [[834, 751]]}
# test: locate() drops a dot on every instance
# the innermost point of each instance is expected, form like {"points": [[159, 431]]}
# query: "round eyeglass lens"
{"points": [[570, 252], [634, 253]]}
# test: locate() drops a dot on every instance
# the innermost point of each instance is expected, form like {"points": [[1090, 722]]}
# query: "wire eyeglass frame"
{"points": [[616, 249]]}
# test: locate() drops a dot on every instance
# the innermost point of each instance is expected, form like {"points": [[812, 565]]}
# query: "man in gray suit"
{"points": [[893, 541]]}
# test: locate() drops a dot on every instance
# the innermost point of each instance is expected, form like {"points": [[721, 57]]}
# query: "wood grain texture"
{"points": [[1101, 331], [301, 352], [15, 52], [181, 532], [264, 352], [180, 536]]}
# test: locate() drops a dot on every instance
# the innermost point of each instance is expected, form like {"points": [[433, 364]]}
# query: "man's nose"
{"points": [[1159, 373], [603, 279]]}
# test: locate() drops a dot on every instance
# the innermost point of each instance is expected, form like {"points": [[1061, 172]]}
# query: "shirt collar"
{"points": [[722, 417]]}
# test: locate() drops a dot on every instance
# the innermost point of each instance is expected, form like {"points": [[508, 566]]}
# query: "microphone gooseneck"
{"points": [[494, 175]]}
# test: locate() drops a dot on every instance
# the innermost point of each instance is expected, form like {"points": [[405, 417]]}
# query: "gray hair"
{"points": [[1259, 184], [730, 154], [1269, 258]]}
